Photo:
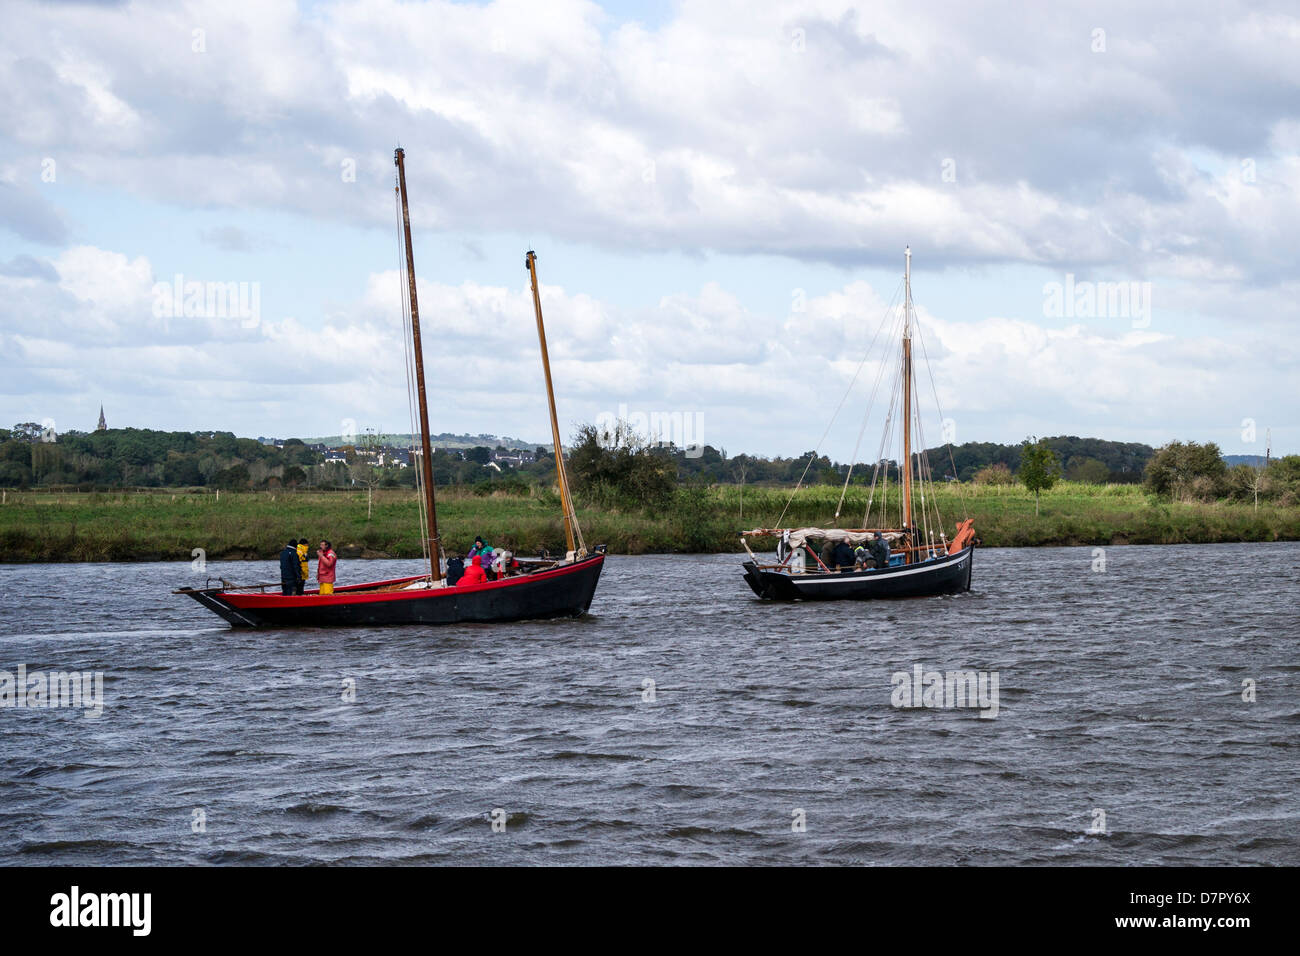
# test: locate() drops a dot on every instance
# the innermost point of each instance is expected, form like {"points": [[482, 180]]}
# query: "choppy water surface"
{"points": [[1119, 690]]}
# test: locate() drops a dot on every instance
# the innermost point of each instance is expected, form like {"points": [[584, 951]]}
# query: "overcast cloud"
{"points": [[1010, 146]]}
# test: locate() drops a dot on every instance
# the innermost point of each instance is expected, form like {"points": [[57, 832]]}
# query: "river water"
{"points": [[768, 735]]}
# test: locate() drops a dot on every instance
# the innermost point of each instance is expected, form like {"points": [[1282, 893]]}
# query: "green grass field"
{"points": [[164, 525]]}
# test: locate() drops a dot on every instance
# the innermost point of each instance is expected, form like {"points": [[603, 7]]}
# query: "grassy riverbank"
{"points": [[164, 525]]}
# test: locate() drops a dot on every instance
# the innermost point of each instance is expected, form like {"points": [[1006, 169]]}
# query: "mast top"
{"points": [[907, 300]]}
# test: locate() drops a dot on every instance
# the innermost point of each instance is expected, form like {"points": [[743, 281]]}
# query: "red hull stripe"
{"points": [[253, 602]]}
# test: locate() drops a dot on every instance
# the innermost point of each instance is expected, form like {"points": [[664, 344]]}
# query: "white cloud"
{"points": [[528, 116], [762, 382], [991, 137]]}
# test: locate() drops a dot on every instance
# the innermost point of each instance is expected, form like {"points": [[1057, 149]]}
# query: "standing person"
{"points": [[290, 569], [302, 562], [326, 560]]}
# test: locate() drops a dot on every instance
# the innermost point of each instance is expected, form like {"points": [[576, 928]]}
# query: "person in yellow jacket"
{"points": [[302, 563]]}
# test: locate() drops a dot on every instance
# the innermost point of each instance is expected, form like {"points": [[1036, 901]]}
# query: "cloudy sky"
{"points": [[719, 194]]}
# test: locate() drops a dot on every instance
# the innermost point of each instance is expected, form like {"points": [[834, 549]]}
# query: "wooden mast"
{"points": [[561, 475], [426, 454], [907, 402]]}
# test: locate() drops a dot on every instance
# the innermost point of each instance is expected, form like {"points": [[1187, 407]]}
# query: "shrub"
{"points": [[994, 474]]}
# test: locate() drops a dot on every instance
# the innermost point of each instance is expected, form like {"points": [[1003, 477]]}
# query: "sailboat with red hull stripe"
{"points": [[542, 588]]}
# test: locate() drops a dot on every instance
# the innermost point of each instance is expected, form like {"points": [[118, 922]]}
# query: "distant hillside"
{"points": [[1122, 462], [1255, 461], [445, 440]]}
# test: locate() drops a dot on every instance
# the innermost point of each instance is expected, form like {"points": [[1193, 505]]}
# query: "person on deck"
{"points": [[474, 573], [861, 558], [455, 570], [326, 562], [828, 555], [290, 569], [843, 557], [302, 564], [880, 550], [485, 551], [504, 564]]}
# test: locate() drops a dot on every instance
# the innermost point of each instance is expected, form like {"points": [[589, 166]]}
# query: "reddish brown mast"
{"points": [[426, 454]]}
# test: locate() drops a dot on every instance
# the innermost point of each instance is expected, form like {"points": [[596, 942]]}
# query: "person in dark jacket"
{"points": [[843, 557], [455, 570], [290, 569], [880, 550]]}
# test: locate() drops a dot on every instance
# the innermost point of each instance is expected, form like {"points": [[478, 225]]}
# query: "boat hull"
{"points": [[950, 574], [561, 592]]}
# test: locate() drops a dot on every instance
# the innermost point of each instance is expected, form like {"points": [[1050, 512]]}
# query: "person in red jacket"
{"points": [[326, 559], [474, 573]]}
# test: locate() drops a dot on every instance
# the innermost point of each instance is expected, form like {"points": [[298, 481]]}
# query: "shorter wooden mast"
{"points": [[426, 456], [561, 474]]}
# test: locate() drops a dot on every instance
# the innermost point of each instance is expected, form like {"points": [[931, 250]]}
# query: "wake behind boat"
{"points": [[540, 589], [887, 560]]}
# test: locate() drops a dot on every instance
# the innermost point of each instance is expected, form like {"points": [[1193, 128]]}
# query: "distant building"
{"points": [[515, 458], [103, 425]]}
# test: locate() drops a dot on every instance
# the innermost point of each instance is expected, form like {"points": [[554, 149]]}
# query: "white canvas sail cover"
{"points": [[795, 537]]}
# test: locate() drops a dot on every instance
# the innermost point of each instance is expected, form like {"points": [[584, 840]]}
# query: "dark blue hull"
{"points": [[949, 574]]}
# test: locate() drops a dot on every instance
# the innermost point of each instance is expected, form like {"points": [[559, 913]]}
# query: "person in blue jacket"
{"points": [[290, 568]]}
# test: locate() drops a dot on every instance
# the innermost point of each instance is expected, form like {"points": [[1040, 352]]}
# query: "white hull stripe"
{"points": [[804, 579]]}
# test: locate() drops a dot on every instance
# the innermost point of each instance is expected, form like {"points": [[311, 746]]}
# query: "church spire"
{"points": [[103, 425]]}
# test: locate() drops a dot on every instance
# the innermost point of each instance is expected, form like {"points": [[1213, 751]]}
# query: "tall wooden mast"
{"points": [[907, 397], [426, 454], [561, 475]]}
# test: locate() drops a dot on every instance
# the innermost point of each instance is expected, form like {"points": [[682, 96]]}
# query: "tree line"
{"points": [[612, 466]]}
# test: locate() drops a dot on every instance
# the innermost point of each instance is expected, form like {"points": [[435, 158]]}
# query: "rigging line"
{"points": [[961, 496], [886, 432], [885, 437], [866, 416], [884, 441], [921, 472], [928, 471], [928, 477], [834, 415], [411, 397]]}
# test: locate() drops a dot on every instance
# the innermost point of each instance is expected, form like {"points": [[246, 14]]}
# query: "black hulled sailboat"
{"points": [[922, 561]]}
